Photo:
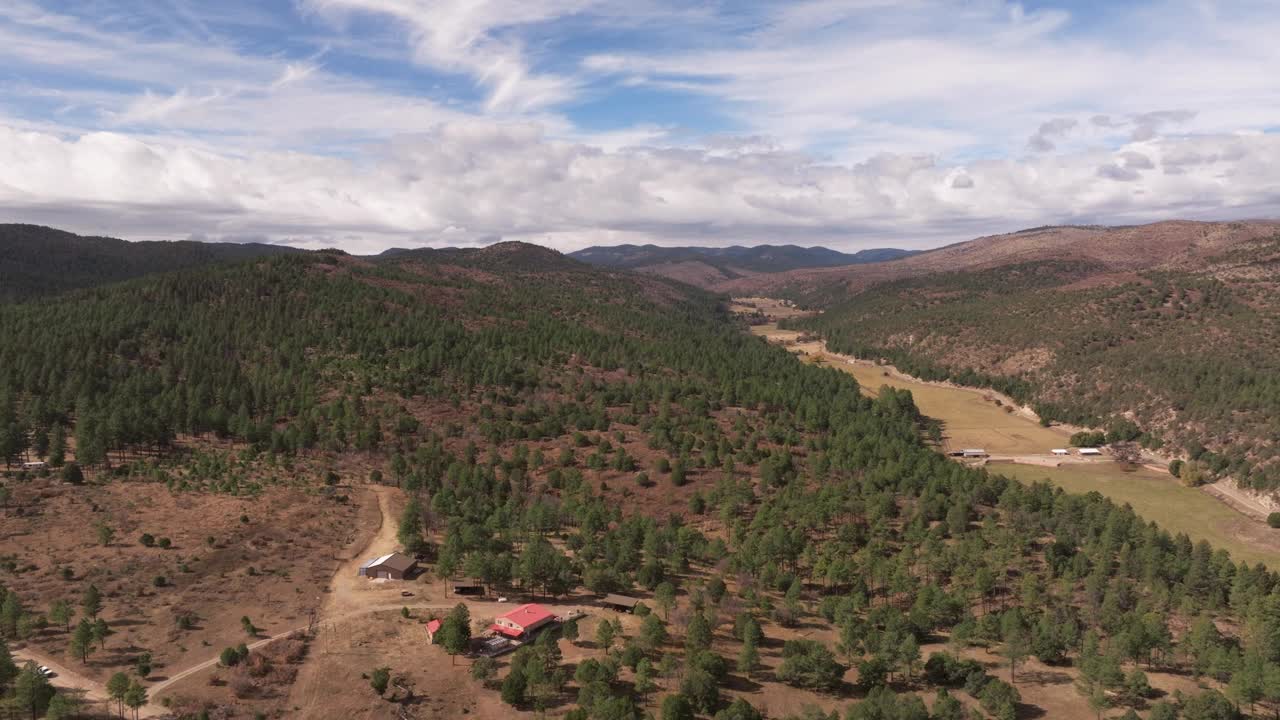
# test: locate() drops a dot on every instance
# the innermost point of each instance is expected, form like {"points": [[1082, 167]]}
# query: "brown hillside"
{"points": [[695, 272], [1174, 244]]}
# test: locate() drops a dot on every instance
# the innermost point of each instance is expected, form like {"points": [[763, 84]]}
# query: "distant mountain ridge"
{"points": [[37, 260], [760, 258], [708, 265], [509, 255], [1172, 244]]}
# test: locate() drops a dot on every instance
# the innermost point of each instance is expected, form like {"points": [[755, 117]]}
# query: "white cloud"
{"points": [[819, 120], [464, 182], [464, 36], [1043, 140], [824, 71]]}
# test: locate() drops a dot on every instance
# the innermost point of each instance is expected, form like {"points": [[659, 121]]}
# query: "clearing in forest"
{"points": [[1158, 497], [971, 419]]}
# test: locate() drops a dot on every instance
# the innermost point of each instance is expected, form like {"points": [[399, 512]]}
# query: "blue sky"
{"points": [[851, 123]]}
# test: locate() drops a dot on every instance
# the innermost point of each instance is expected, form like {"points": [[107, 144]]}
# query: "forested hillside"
{"points": [[761, 258], [558, 427], [1188, 353], [708, 266], [37, 260]]}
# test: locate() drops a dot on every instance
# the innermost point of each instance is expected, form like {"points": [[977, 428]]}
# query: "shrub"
{"points": [[147, 540], [1087, 438], [164, 543], [71, 473], [809, 664], [229, 657], [1274, 519], [242, 686], [947, 670], [975, 681], [483, 669], [1000, 699], [872, 673]]}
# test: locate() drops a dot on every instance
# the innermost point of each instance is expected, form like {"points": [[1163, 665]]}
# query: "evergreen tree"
{"points": [[81, 643], [32, 691], [117, 688]]}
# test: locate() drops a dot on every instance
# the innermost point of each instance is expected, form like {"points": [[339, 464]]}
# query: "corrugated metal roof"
{"points": [[528, 615], [395, 561]]}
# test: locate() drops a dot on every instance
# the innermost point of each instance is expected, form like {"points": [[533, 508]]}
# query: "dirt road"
{"points": [[181, 675], [1244, 501], [343, 601], [349, 597], [65, 678]]}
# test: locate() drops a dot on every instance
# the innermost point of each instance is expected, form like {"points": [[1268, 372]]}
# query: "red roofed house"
{"points": [[522, 621], [433, 627]]}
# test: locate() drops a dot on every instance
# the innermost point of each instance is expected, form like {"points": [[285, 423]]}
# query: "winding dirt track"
{"points": [[342, 601]]}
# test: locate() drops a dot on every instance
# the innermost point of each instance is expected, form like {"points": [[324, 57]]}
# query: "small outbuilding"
{"points": [[1090, 452], [392, 566], [620, 603], [468, 587], [433, 627], [973, 453], [1061, 451], [34, 465]]}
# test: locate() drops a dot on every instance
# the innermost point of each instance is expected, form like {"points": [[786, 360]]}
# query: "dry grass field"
{"points": [[265, 557], [971, 419], [1159, 498]]}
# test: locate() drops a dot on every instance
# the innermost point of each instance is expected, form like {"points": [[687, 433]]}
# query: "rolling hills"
{"points": [[1114, 250], [707, 266], [564, 431], [1172, 327], [37, 260]]}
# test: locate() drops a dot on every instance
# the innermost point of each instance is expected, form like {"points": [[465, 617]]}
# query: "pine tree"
{"points": [[31, 690], [455, 631], [99, 632], [117, 688], [1016, 643], [136, 697], [748, 657], [604, 634], [8, 668], [61, 612], [61, 707], [58, 446], [81, 643], [91, 601]]}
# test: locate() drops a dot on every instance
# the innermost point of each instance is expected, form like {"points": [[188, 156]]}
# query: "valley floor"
{"points": [[1021, 448]]}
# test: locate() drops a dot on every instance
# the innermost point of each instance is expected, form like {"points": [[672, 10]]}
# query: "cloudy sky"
{"points": [[851, 123]]}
